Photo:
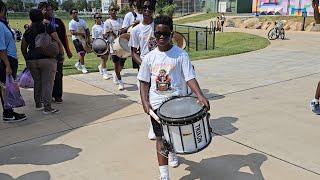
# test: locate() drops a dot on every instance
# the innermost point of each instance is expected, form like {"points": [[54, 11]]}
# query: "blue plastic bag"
{"points": [[25, 79], [12, 98]]}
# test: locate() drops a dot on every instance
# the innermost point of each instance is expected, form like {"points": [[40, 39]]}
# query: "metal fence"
{"points": [[197, 38]]}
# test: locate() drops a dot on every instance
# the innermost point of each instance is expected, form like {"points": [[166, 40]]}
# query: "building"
{"points": [[229, 6], [282, 7]]}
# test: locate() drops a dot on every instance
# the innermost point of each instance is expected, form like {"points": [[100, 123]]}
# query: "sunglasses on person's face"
{"points": [[158, 34], [98, 17], [113, 10], [75, 12], [147, 7]]}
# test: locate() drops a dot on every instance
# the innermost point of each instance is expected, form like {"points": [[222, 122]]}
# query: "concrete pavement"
{"points": [[259, 106]]}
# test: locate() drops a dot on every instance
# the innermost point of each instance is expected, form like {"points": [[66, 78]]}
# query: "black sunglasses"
{"points": [[75, 12], [147, 7], [158, 34], [113, 9], [98, 17]]}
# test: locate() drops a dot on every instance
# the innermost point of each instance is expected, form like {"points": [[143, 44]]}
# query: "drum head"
{"points": [[100, 46], [180, 109], [124, 41]]}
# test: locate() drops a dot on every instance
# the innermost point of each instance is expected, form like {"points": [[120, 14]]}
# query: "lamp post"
{"points": [[257, 1]]}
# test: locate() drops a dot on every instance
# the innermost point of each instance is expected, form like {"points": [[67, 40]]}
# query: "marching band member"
{"points": [[142, 39], [173, 63], [97, 32], [78, 28], [134, 17], [113, 28]]}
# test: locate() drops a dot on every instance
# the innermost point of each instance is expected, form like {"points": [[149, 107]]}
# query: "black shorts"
{"points": [[78, 45], [157, 128], [117, 59], [14, 66]]}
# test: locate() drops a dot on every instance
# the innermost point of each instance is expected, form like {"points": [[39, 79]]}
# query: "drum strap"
{"points": [[134, 15]]}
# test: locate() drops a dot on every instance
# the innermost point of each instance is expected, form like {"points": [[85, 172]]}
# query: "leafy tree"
{"points": [[16, 5], [67, 5], [165, 7], [54, 4], [81, 5], [315, 5]]}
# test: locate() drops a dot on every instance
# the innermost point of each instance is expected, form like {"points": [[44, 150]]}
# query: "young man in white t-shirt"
{"points": [[98, 32], [170, 63], [79, 30], [134, 17], [113, 28]]}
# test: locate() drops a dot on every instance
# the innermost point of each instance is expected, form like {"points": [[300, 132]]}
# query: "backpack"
{"points": [[46, 44]]}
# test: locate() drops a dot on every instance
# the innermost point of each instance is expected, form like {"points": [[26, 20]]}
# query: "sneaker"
{"points": [[39, 107], [151, 134], [173, 160], [315, 107], [15, 117], [164, 178], [58, 100], [77, 65], [84, 69], [100, 69], [115, 78], [121, 85], [105, 74], [51, 111]]}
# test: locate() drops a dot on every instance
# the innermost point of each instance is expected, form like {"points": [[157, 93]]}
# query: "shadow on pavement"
{"points": [[223, 125], [36, 175], [226, 167], [38, 154]]}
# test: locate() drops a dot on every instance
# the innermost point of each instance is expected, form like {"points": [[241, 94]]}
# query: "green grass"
{"points": [[226, 44], [200, 17]]}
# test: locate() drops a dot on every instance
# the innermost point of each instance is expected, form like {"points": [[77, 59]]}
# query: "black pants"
{"points": [[14, 66], [57, 86]]}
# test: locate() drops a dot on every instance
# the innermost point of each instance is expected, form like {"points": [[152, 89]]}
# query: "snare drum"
{"points": [[185, 124], [120, 46], [100, 46]]}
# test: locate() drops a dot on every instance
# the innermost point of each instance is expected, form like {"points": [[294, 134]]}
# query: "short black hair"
{"points": [[95, 15], [165, 20], [73, 9], [152, 4], [2, 6], [43, 5], [36, 15]]}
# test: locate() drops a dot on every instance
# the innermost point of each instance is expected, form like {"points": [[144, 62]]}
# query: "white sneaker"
{"points": [[173, 160], [121, 85], [105, 74], [78, 66], [100, 69], [84, 69], [115, 79], [151, 134]]}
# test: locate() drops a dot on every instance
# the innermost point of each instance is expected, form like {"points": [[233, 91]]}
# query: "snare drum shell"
{"points": [[117, 46], [188, 139]]}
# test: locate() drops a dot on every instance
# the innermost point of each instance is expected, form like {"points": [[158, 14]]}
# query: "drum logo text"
{"points": [[198, 133], [186, 134]]}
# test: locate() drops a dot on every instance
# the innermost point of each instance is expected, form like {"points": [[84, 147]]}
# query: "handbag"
{"points": [[46, 44]]}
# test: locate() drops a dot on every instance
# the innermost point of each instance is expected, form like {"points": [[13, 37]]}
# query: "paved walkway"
{"points": [[259, 106]]}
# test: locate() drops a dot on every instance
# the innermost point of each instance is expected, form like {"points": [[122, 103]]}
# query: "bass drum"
{"points": [[100, 46], [120, 46], [179, 40]]}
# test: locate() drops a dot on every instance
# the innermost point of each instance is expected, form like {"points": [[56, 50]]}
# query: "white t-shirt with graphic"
{"points": [[114, 25], [78, 26], [97, 31], [129, 19], [172, 67]]}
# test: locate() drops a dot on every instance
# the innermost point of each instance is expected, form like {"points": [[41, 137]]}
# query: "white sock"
{"points": [[164, 171]]}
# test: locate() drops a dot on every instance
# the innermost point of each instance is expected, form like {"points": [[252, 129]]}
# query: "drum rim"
{"points": [[101, 54], [183, 120]]}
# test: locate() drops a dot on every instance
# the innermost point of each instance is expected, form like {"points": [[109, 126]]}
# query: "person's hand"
{"points": [[135, 22], [69, 54], [204, 101], [8, 70]]}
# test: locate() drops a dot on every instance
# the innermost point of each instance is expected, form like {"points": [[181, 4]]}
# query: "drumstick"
{"points": [[155, 117]]}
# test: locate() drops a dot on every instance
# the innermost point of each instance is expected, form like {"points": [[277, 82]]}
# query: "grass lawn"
{"points": [[200, 17], [226, 44]]}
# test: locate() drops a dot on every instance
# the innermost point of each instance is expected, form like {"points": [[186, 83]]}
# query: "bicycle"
{"points": [[277, 31]]}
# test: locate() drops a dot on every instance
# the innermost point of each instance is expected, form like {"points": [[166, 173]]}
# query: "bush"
{"points": [[169, 9]]}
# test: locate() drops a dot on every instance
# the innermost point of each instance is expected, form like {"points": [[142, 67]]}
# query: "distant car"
{"points": [[17, 34]]}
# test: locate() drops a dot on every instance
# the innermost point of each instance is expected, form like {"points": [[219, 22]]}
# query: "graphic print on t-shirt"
{"points": [[163, 81]]}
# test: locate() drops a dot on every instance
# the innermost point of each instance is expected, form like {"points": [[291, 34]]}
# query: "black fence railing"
{"points": [[197, 38]]}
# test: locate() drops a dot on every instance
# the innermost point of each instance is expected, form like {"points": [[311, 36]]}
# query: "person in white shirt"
{"points": [[78, 28], [98, 32], [134, 17], [171, 63], [112, 29], [142, 40]]}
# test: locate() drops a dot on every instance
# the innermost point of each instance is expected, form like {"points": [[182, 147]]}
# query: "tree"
{"points": [[16, 5], [165, 7], [54, 4], [67, 5], [81, 5], [315, 5]]}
